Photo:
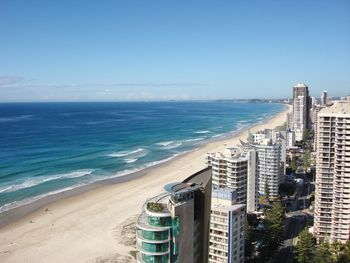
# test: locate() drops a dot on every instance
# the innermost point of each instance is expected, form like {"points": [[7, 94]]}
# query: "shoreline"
{"points": [[24, 209], [130, 190]]}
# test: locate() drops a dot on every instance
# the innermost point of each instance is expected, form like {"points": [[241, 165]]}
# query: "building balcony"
{"points": [[144, 258], [219, 228], [153, 224], [153, 236], [153, 249], [218, 241]]}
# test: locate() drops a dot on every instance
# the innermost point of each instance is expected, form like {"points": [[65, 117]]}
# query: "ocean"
{"points": [[48, 148]]}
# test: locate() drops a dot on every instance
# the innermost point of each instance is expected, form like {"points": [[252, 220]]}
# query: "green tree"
{"points": [[273, 237], [249, 248], [307, 159], [335, 252], [293, 164], [345, 257], [305, 247], [346, 250], [264, 200], [336, 249], [323, 254]]}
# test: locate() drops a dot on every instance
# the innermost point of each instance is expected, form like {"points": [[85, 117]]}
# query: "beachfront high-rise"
{"points": [[268, 146], [227, 223], [235, 169], [269, 171], [332, 198], [301, 110], [227, 233], [174, 226], [230, 170]]}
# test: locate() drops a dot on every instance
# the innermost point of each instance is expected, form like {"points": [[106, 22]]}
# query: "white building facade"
{"points": [[236, 169], [270, 147], [332, 198], [226, 240]]}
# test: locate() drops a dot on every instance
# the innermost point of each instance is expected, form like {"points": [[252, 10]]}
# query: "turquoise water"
{"points": [[48, 148]]}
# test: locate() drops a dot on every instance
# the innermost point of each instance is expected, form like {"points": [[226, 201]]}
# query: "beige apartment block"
{"points": [[332, 204], [226, 243], [235, 169]]}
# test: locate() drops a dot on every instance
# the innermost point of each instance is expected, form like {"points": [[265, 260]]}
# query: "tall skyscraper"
{"points": [[301, 110], [324, 98], [174, 226], [332, 202]]}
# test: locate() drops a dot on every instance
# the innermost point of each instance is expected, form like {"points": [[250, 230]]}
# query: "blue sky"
{"points": [[134, 50]]}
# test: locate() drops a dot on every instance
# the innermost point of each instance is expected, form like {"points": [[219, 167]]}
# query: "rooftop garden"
{"points": [[154, 207]]}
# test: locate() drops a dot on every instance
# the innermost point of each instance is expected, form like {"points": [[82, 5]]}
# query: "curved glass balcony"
{"points": [[159, 221], [146, 248], [152, 259], [153, 235]]}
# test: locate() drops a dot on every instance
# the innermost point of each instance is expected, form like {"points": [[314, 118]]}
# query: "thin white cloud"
{"points": [[17, 82], [14, 88], [10, 80]]}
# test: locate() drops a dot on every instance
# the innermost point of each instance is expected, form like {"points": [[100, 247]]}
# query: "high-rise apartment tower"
{"points": [[174, 226], [235, 169], [324, 98], [301, 110], [332, 202]]}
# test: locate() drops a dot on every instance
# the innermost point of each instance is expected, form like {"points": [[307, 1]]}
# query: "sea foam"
{"points": [[202, 132], [34, 181], [170, 144], [126, 153], [16, 118]]}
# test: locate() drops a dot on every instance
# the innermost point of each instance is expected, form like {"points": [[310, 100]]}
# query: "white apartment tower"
{"points": [[290, 138], [236, 170], [269, 172], [268, 145], [227, 223], [332, 203], [301, 110]]}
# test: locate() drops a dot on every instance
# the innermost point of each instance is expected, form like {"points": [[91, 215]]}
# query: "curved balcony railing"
{"points": [[153, 236], [143, 258], [153, 249]]}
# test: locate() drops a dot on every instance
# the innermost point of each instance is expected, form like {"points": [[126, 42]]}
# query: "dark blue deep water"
{"points": [[47, 148]]}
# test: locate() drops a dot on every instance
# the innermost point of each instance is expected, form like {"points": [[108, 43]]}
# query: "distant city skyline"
{"points": [[183, 50]]}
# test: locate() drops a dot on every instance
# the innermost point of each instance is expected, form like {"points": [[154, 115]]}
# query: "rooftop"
{"points": [[226, 208], [300, 85], [201, 178], [157, 204], [178, 188], [237, 157], [339, 107]]}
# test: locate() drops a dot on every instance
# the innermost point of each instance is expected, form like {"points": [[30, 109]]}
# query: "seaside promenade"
{"points": [[97, 226]]}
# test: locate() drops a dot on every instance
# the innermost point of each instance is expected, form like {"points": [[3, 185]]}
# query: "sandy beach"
{"points": [[97, 225]]}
